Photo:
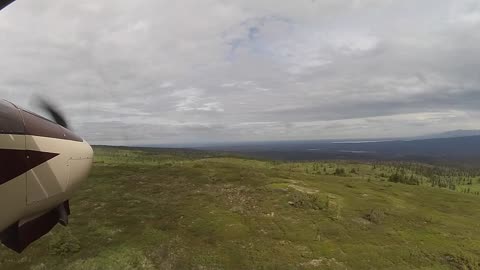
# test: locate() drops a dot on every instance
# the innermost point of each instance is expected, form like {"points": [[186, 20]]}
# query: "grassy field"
{"points": [[194, 210]]}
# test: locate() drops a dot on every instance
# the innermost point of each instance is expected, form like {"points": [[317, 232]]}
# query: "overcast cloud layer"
{"points": [[154, 71]]}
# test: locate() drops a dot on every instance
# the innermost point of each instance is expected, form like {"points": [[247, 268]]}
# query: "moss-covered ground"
{"points": [[161, 209]]}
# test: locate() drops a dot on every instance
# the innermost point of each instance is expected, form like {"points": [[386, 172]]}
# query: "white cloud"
{"points": [[211, 107], [354, 43], [194, 99], [465, 12], [263, 89], [369, 3], [141, 26], [231, 84], [166, 84], [188, 98]]}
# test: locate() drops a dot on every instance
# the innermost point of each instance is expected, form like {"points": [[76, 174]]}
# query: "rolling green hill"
{"points": [[159, 209]]}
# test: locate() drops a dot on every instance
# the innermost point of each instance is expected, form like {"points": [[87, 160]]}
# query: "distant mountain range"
{"points": [[451, 134], [459, 146], [454, 146]]}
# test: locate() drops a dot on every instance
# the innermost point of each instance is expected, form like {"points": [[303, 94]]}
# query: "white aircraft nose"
{"points": [[79, 165]]}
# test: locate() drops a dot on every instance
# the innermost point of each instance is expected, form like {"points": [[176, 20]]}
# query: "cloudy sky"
{"points": [[155, 71]]}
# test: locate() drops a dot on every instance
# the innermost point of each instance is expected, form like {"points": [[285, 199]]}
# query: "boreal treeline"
{"points": [[411, 173]]}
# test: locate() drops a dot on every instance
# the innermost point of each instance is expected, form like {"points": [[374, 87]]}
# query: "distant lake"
{"points": [[342, 151], [355, 152], [363, 141]]}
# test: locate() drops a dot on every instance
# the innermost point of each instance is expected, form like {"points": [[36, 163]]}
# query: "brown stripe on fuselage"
{"points": [[16, 121], [11, 121], [38, 126], [17, 162]]}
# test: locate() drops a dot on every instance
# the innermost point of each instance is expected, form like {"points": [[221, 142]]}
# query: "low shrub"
{"points": [[375, 216], [307, 201], [340, 172], [63, 243]]}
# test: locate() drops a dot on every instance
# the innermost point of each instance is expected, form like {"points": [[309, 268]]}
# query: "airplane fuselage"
{"points": [[41, 165]]}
